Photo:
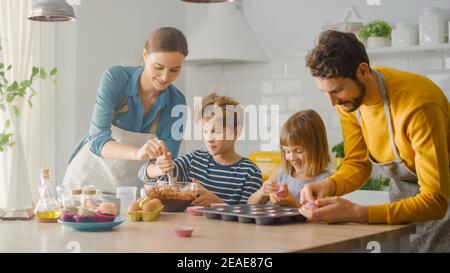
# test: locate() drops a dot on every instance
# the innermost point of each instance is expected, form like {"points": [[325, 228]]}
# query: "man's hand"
{"points": [[336, 210], [313, 191]]}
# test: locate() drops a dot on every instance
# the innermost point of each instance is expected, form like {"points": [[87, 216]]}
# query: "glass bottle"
{"points": [[47, 209]]}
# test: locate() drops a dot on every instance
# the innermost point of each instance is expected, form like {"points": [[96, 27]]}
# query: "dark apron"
{"points": [[430, 236]]}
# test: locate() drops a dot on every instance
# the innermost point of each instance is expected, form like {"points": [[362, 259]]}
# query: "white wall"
{"points": [[107, 33], [287, 30]]}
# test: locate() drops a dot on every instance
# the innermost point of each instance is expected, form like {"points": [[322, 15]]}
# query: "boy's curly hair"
{"points": [[211, 105]]}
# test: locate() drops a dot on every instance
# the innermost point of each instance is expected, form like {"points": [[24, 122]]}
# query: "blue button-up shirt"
{"points": [[121, 83]]}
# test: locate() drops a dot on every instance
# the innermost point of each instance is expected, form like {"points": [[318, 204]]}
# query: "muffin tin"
{"points": [[259, 214]]}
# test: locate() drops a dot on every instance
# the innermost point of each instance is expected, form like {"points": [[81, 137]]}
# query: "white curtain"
{"points": [[22, 47]]}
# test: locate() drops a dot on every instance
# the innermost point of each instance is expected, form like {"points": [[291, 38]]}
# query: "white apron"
{"points": [[430, 236], [87, 168]]}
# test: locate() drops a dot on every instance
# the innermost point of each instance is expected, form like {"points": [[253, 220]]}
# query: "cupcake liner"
{"points": [[84, 219], [104, 217], [68, 217]]}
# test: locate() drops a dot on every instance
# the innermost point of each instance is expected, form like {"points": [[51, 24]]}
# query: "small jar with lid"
{"points": [[88, 197], [75, 197], [431, 27], [404, 35]]}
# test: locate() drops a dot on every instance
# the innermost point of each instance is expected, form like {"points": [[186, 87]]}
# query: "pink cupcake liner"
{"points": [[84, 219], [183, 231], [104, 217], [68, 217]]}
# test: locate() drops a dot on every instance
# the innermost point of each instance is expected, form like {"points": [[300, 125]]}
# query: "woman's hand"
{"points": [[313, 191], [336, 210], [165, 162], [151, 149]]}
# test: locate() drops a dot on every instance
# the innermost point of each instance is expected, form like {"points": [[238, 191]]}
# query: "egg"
{"points": [[143, 201], [134, 207], [151, 205]]}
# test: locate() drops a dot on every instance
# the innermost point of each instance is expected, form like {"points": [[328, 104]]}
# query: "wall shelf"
{"points": [[408, 49]]}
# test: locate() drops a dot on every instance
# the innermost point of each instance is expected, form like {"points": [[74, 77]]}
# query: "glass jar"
{"points": [[431, 27], [75, 198], [404, 35], [88, 197]]}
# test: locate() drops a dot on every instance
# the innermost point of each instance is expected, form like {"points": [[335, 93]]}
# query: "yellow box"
{"points": [[267, 162]]}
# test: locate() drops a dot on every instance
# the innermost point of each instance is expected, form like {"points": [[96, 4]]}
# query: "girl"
{"points": [[305, 158]]}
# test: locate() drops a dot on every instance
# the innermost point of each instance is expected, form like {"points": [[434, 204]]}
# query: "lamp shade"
{"points": [[207, 1], [52, 11]]}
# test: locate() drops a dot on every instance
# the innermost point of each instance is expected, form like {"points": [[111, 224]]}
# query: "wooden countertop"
{"points": [[208, 236]]}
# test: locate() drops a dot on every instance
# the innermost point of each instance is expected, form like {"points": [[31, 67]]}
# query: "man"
{"points": [[395, 120]]}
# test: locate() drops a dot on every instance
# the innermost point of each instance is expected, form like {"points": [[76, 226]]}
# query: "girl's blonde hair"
{"points": [[306, 129]]}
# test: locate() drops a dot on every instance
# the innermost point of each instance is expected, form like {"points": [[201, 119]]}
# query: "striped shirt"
{"points": [[232, 183]]}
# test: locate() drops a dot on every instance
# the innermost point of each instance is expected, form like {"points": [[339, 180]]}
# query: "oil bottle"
{"points": [[47, 209]]}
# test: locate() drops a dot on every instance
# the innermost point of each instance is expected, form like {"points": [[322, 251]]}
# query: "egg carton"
{"points": [[259, 214]]}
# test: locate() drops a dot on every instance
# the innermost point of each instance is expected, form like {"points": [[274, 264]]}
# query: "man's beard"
{"points": [[356, 102]]}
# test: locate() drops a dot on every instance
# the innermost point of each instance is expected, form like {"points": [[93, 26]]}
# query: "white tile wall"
{"points": [[289, 85]]}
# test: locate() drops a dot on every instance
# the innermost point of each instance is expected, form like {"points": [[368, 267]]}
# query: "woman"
{"points": [[132, 114]]}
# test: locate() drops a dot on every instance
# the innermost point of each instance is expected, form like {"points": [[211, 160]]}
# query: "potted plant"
{"points": [[12, 92], [379, 183], [338, 151], [377, 33]]}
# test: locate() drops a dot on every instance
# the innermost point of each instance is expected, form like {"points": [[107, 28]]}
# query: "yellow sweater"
{"points": [[419, 112]]}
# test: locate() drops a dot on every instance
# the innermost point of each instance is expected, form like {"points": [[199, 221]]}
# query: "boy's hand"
{"points": [[204, 197], [165, 162], [269, 187], [288, 200]]}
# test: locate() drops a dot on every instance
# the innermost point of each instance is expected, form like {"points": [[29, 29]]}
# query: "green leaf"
{"points": [[2, 65], [30, 103], [7, 123], [9, 67], [12, 143], [10, 98], [34, 71], [55, 82], [16, 110], [26, 83], [53, 71], [2, 107], [42, 73], [1, 149], [14, 86]]}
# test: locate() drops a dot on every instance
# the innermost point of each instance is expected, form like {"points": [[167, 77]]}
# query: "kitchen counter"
{"points": [[208, 236]]}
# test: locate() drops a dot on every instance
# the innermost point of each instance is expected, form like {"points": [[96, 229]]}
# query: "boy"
{"points": [[223, 175]]}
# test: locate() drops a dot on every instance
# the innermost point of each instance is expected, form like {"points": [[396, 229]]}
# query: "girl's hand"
{"points": [[165, 162], [268, 187], [287, 200], [151, 149]]}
